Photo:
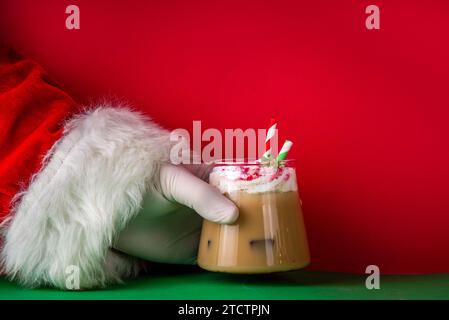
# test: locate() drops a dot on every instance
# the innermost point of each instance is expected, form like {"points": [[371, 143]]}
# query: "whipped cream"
{"points": [[253, 179]]}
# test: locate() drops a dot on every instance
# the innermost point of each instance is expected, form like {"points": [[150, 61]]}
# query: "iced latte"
{"points": [[269, 235]]}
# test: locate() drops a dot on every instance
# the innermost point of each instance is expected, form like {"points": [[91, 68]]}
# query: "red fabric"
{"points": [[32, 113]]}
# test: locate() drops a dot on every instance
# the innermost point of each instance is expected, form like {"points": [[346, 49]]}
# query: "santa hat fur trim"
{"points": [[91, 185]]}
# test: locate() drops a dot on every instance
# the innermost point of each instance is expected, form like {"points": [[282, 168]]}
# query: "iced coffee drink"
{"points": [[269, 235]]}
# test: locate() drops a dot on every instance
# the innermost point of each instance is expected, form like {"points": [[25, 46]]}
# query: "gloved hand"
{"points": [[168, 227]]}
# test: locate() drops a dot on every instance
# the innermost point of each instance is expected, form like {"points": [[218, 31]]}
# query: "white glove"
{"points": [[167, 228]]}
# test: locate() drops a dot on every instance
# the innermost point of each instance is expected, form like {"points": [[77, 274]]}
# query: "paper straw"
{"points": [[284, 150], [270, 134]]}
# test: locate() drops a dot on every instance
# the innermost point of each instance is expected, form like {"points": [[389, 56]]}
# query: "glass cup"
{"points": [[269, 235]]}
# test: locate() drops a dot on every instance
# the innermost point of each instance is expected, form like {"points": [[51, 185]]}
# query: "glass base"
{"points": [[254, 269]]}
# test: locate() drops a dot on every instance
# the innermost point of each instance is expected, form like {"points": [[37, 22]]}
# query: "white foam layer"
{"points": [[253, 179]]}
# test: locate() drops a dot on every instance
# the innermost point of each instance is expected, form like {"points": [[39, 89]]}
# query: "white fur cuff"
{"points": [[91, 185]]}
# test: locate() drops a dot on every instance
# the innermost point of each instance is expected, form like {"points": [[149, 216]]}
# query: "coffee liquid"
{"points": [[269, 236]]}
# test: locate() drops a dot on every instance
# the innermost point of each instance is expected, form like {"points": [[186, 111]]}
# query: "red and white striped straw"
{"points": [[270, 134]]}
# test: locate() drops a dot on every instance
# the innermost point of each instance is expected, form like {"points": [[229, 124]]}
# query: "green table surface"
{"points": [[193, 283]]}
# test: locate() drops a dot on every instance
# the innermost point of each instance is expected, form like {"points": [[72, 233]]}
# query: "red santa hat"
{"points": [[70, 180]]}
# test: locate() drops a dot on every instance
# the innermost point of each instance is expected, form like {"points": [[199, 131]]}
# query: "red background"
{"points": [[367, 109]]}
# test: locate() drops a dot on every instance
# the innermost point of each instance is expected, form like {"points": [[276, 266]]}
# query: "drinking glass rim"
{"points": [[235, 162]]}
